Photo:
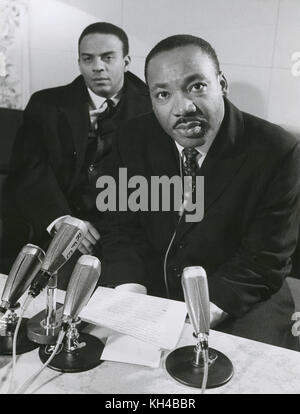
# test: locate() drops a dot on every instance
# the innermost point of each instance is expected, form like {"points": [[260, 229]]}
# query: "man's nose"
{"points": [[183, 105], [98, 65]]}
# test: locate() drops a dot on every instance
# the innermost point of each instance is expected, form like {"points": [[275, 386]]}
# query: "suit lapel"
{"points": [[164, 159], [76, 111], [222, 163], [78, 117], [135, 99]]}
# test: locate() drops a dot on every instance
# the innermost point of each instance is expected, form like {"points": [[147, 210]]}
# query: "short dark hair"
{"points": [[181, 40], [106, 28]]}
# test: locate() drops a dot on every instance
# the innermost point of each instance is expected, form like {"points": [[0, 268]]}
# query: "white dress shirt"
{"points": [[98, 101]]}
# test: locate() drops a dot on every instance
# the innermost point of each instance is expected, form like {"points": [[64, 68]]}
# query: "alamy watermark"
{"points": [[296, 65], [296, 326], [155, 194]]}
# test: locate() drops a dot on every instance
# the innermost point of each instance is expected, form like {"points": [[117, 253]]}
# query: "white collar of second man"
{"points": [[98, 101]]}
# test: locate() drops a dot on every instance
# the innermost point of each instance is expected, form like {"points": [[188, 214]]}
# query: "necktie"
{"points": [[190, 166], [104, 115], [103, 146]]}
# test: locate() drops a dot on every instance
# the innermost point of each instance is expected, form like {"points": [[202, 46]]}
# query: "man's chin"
{"points": [[102, 91], [190, 141]]}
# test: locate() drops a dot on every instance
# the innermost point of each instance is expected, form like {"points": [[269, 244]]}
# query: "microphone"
{"points": [[44, 327], [80, 351], [63, 245], [198, 366], [196, 296], [81, 286], [23, 271]]}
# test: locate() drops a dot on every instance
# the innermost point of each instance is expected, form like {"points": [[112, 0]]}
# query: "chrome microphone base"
{"points": [[179, 365], [78, 360], [23, 343], [39, 333]]}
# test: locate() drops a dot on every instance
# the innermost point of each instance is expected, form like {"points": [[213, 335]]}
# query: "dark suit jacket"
{"points": [[250, 225], [50, 150]]}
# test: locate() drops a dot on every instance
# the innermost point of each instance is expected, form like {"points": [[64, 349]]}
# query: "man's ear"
{"points": [[223, 83], [127, 61]]}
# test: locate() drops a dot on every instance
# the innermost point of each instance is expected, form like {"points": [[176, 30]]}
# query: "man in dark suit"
{"points": [[66, 139], [251, 171]]}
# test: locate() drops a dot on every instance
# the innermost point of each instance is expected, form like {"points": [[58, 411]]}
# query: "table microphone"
{"points": [[23, 271], [80, 352], [196, 296], [198, 366], [63, 245], [44, 326]]}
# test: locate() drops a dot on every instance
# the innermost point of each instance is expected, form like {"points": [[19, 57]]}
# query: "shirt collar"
{"points": [[98, 101], [202, 149]]}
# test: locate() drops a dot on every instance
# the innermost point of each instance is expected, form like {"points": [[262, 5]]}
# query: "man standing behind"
{"points": [[251, 171], [66, 140]]}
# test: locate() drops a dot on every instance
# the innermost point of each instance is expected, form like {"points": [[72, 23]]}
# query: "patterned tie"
{"points": [[190, 165]]}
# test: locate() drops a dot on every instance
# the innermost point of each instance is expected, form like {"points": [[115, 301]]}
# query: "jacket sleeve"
{"points": [[124, 245], [125, 251], [32, 185], [263, 260]]}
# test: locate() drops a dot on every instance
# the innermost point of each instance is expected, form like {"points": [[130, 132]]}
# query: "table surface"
{"points": [[258, 368]]}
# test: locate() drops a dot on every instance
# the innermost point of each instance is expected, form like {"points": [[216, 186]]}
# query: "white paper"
{"points": [[125, 348], [154, 320]]}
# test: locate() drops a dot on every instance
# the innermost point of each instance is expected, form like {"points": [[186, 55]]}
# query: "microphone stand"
{"points": [[44, 327], [7, 328], [50, 319], [79, 352], [187, 366], [200, 349], [198, 366]]}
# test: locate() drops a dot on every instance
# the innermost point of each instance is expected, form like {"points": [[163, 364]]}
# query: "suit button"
{"points": [[75, 153], [181, 246], [91, 168]]}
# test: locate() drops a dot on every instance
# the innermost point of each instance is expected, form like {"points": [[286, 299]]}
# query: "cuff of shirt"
{"points": [[217, 315], [132, 287]]}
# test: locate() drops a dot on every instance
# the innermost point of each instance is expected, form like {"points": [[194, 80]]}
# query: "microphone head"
{"points": [[23, 271], [64, 244], [81, 285], [196, 296]]}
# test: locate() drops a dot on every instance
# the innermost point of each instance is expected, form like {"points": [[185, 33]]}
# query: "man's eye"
{"points": [[197, 87], [87, 59], [162, 95], [108, 58]]}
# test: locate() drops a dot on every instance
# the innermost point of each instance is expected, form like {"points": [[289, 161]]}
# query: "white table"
{"points": [[258, 368]]}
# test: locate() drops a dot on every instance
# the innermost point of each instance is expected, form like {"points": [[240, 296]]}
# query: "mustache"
{"points": [[186, 119]]}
